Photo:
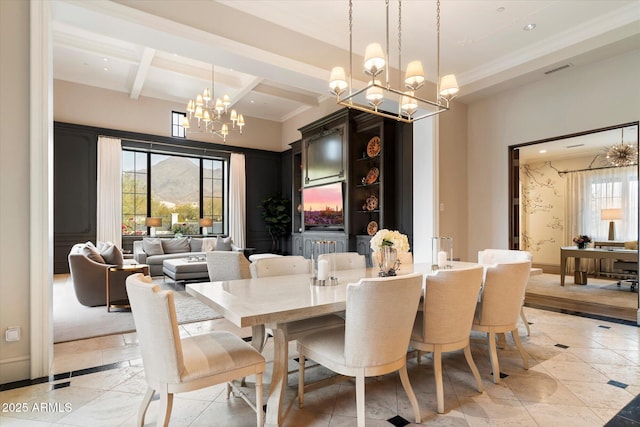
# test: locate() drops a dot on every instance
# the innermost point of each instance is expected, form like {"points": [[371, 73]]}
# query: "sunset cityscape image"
{"points": [[323, 205]]}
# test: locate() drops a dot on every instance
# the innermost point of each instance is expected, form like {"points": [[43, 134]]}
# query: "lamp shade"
{"points": [[374, 60], [153, 222], [448, 85], [206, 222], [414, 78], [611, 214]]}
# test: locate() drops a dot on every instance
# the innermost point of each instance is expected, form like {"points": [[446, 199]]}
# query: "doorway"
{"points": [[541, 217]]}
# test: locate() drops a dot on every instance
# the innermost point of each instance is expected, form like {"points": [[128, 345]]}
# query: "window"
{"points": [[179, 189], [614, 188], [134, 193], [177, 129]]}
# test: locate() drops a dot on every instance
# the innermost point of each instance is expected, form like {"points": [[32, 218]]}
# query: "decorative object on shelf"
{"points": [[441, 253], [373, 146], [623, 154], [372, 228], [403, 104], [205, 223], [581, 241], [372, 175], [371, 204], [152, 222], [211, 114], [386, 244], [323, 270]]}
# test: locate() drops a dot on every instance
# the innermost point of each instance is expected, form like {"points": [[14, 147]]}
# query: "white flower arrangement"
{"points": [[392, 238]]}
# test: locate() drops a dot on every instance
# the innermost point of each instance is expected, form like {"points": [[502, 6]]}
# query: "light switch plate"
{"points": [[12, 333]]}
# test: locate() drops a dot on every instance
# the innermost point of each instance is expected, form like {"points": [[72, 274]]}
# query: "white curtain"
{"points": [[109, 206], [588, 192], [237, 200]]}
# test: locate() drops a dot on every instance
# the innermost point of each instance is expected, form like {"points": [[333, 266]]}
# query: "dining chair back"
{"points": [[379, 316], [175, 365], [505, 256], [345, 260], [280, 266], [444, 323], [500, 305], [227, 265]]}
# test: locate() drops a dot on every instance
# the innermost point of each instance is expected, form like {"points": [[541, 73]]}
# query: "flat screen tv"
{"points": [[323, 207]]}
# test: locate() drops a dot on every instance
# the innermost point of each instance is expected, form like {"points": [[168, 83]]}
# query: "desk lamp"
{"points": [[611, 215]]}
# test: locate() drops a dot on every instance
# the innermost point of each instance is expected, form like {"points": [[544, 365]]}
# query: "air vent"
{"points": [[575, 146], [562, 67]]}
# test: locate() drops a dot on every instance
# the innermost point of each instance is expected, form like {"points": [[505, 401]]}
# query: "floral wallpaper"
{"points": [[542, 195]]}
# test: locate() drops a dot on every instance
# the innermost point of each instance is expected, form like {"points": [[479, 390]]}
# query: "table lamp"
{"points": [[611, 215], [205, 223], [153, 222]]}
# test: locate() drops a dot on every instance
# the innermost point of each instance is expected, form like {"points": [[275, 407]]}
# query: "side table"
{"points": [[124, 270]]}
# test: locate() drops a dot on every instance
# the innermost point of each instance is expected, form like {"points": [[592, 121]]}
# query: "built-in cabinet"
{"points": [[371, 157]]}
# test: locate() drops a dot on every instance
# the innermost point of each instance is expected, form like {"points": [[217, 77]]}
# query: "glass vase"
{"points": [[388, 261], [442, 253]]}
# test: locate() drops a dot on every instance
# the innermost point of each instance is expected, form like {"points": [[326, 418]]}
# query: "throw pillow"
{"points": [[176, 246], [195, 243], [92, 253], [152, 246], [112, 255], [223, 243]]}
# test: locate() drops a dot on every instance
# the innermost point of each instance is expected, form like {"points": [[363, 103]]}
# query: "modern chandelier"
{"points": [[411, 105], [211, 114], [622, 154]]}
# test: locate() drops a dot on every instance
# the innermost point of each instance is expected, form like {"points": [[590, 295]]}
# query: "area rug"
{"points": [[73, 321]]}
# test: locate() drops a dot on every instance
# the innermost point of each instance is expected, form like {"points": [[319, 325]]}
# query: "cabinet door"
{"points": [[297, 244]]}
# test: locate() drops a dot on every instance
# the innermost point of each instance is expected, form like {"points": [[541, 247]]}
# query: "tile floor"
{"points": [[583, 372]]}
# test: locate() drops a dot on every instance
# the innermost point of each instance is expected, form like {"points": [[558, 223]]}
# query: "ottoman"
{"points": [[183, 269]]}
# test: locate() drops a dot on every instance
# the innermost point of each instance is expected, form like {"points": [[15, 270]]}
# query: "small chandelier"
{"points": [[622, 154], [212, 116], [410, 105]]}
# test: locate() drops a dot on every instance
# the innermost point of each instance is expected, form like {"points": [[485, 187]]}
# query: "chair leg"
{"points": [[419, 357], [516, 339], [525, 321], [301, 358], [259, 404], [144, 405], [474, 368], [493, 356], [404, 378], [437, 373], [360, 399], [166, 405]]}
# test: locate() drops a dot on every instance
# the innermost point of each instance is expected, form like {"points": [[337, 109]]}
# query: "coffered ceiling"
{"points": [[273, 57]]}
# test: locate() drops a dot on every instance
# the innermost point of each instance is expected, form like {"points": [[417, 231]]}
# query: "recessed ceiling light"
{"points": [[252, 101], [529, 27], [105, 69], [542, 151], [105, 59], [500, 9]]}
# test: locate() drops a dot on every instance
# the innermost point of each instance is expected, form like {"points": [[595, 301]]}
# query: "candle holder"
{"points": [[442, 253], [323, 268]]}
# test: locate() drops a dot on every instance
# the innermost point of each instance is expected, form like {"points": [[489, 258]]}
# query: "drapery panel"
{"points": [[237, 199], [588, 192], [109, 203]]}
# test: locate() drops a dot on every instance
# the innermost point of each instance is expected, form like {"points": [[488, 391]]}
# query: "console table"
{"points": [[593, 253]]}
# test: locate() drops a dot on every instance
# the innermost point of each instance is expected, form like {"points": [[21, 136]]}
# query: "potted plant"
{"points": [[275, 212]]}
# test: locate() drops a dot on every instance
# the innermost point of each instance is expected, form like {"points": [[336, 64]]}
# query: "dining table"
{"points": [[271, 302]]}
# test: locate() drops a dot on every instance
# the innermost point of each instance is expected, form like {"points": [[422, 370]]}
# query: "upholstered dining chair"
{"points": [[374, 340], [502, 256], [287, 265], [174, 365], [227, 265], [499, 307], [345, 260], [444, 323]]}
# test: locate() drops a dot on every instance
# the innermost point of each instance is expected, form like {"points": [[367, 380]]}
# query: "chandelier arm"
{"points": [[350, 47]]}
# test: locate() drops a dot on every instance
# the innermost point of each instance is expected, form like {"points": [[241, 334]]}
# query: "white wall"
{"points": [[577, 99], [14, 188]]}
